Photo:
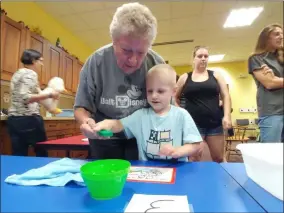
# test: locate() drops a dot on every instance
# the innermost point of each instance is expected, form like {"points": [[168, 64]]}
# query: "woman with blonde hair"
{"points": [[266, 67], [199, 90]]}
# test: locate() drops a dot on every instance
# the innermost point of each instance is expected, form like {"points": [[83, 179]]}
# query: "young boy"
{"points": [[163, 131]]}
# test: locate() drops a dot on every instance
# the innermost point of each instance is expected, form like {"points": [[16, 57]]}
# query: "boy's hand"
{"points": [[177, 153], [167, 150]]}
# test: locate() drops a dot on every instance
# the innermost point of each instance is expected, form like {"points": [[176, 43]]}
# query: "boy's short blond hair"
{"points": [[163, 71]]}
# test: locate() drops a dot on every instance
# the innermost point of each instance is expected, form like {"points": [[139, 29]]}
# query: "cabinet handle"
{"points": [[54, 125]]}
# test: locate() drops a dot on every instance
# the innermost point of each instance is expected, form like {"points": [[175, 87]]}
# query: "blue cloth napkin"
{"points": [[56, 173]]}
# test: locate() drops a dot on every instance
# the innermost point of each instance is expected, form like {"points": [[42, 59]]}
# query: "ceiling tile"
{"points": [[74, 23], [85, 6], [186, 9], [210, 7], [185, 24], [213, 21], [201, 21], [247, 4], [161, 10], [96, 19], [114, 4], [164, 27], [176, 36], [56, 8]]}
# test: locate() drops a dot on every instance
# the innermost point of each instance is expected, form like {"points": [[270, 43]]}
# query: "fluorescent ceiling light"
{"points": [[242, 17], [213, 58]]}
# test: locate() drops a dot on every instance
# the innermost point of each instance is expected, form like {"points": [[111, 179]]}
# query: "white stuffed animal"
{"points": [[50, 104]]}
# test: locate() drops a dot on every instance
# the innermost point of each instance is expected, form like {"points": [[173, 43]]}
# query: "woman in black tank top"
{"points": [[198, 92]]}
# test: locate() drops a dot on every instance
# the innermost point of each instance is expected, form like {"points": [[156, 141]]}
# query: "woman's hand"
{"points": [[87, 128], [227, 123], [266, 70], [54, 95]]}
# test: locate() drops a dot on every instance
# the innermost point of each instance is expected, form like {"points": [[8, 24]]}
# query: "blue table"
{"points": [[264, 198], [208, 186]]}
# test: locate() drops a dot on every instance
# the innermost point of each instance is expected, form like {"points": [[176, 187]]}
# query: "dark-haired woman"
{"points": [[25, 125]]}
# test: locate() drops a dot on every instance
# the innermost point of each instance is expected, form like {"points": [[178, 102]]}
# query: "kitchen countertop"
{"points": [[58, 118], [3, 118]]}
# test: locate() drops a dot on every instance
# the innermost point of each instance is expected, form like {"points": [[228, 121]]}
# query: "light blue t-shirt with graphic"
{"points": [[152, 131]]}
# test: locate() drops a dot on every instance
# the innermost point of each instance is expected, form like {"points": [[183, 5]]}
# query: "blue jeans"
{"points": [[271, 128], [211, 131]]}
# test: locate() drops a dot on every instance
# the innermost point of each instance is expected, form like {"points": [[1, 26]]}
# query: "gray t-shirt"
{"points": [[269, 102], [106, 91]]}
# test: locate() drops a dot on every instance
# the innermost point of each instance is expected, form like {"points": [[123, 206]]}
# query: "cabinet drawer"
{"points": [[77, 125], [57, 153], [51, 134], [79, 154], [61, 133], [51, 125], [66, 125], [51, 138], [67, 132], [1, 147], [31, 151]]}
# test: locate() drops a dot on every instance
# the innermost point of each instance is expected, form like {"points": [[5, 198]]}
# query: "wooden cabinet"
{"points": [[76, 76], [5, 142], [79, 154], [56, 153], [36, 42], [53, 62], [13, 40], [55, 129], [15, 37], [69, 67]]}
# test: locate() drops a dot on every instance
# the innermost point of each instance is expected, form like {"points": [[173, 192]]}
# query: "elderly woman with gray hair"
{"points": [[112, 81]]}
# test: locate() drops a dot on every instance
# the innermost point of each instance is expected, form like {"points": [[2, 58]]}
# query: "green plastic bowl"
{"points": [[105, 179]]}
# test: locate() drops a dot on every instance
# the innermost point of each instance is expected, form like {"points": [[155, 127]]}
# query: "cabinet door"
{"points": [[13, 39], [5, 141], [57, 153], [76, 76], [69, 66], [82, 154], [36, 42], [53, 62]]}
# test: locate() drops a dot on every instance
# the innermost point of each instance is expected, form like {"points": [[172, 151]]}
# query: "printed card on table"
{"points": [[157, 203], [152, 174]]}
